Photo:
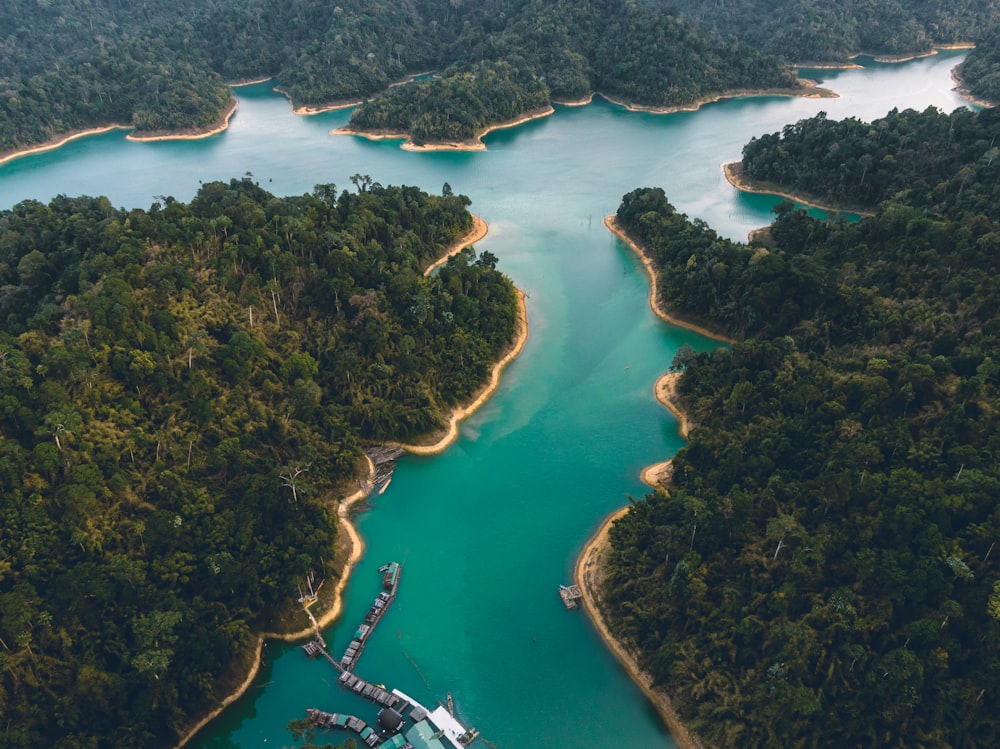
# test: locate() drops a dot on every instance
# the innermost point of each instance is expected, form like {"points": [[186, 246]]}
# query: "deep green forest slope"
{"points": [[916, 153], [811, 31], [640, 53], [979, 74], [183, 390], [824, 571], [72, 64]]}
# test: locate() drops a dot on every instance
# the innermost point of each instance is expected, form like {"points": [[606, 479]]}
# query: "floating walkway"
{"points": [[369, 691], [403, 723], [349, 722], [317, 647], [390, 583]]}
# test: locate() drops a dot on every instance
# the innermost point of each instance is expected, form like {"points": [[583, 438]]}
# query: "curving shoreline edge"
{"points": [[479, 230], [476, 144], [460, 414], [345, 507], [611, 222], [588, 572], [588, 575], [733, 172]]}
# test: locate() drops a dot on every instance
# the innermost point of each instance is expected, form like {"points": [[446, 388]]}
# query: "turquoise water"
{"points": [[488, 530]]}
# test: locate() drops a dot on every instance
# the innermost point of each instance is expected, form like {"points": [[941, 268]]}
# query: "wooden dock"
{"points": [[570, 594], [390, 581], [349, 722], [383, 458]]}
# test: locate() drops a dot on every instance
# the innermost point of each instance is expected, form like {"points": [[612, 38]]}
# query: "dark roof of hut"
{"points": [[389, 719]]}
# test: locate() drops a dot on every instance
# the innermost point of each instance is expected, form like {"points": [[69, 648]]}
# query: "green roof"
{"points": [[422, 736], [396, 741]]}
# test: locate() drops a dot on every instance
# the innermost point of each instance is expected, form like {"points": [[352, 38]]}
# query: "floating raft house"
{"points": [[570, 594], [390, 583]]}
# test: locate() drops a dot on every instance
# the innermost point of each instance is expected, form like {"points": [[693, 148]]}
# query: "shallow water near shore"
{"points": [[487, 530]]}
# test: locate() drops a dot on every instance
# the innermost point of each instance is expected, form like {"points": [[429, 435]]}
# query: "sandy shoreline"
{"points": [[809, 91], [589, 570], [612, 224], [588, 575], [459, 414], [345, 511], [479, 230], [62, 140], [734, 176], [326, 618], [470, 145], [221, 127], [237, 84]]}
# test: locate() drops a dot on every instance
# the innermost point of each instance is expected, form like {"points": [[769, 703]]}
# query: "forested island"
{"points": [[184, 396], [162, 68], [824, 570]]}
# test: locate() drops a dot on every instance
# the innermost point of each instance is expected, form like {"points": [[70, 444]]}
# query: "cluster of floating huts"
{"points": [[390, 583], [427, 729]]}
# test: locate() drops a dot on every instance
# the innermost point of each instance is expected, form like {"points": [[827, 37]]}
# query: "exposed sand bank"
{"points": [[612, 224], [658, 475], [309, 110], [334, 105], [478, 231], [237, 84], [589, 575], [906, 58], [809, 91], [190, 134], [466, 145], [574, 102], [666, 393], [734, 175], [54, 143]]}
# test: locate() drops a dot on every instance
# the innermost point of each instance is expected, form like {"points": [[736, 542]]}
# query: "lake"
{"points": [[487, 530]]}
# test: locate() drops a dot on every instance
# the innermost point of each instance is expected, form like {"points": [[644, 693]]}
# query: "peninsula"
{"points": [[750, 590], [245, 426]]}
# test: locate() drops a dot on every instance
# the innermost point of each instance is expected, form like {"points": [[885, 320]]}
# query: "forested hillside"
{"points": [[457, 107], [979, 74], [824, 571], [811, 31], [850, 161], [640, 53], [183, 390], [66, 65]]}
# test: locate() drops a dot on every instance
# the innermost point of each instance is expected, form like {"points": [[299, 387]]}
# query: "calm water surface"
{"points": [[488, 530]]}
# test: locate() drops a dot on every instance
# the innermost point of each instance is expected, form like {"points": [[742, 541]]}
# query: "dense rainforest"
{"points": [[811, 31], [642, 53], [979, 74], [184, 391], [824, 571], [860, 163], [457, 107], [71, 64]]}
